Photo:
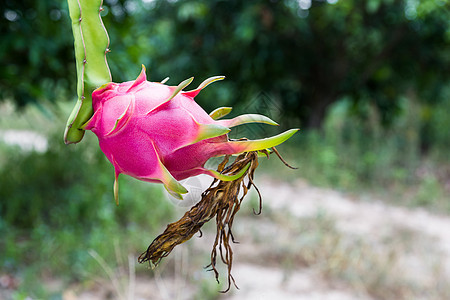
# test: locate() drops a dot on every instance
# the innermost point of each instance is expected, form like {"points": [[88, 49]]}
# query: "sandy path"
{"points": [[371, 219]]}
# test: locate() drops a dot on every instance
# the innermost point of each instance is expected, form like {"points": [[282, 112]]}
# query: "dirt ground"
{"points": [[308, 243]]}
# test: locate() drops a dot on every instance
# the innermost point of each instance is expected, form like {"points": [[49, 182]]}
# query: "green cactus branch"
{"points": [[91, 44]]}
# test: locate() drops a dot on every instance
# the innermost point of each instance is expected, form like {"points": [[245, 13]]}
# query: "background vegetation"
{"points": [[366, 81]]}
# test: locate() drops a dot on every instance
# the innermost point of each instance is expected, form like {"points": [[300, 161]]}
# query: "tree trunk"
{"points": [[319, 104]]}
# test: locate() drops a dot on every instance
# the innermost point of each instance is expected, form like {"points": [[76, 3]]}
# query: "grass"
{"points": [[356, 154], [58, 204], [58, 219]]}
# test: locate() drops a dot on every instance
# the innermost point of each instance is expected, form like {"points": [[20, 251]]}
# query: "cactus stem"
{"points": [[89, 43], [84, 47]]}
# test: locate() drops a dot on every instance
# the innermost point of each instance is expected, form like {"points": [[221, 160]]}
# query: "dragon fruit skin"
{"points": [[158, 133]]}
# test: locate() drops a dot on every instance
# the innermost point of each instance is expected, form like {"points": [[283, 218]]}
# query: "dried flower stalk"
{"points": [[221, 200]]}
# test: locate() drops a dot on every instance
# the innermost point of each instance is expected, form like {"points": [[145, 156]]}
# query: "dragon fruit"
{"points": [[158, 133]]}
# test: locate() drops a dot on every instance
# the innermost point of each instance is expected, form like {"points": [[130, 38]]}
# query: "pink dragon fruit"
{"points": [[158, 133]]}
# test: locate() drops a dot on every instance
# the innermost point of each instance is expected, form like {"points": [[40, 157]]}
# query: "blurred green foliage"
{"points": [[57, 205], [305, 54], [305, 59], [373, 74], [36, 52], [356, 153]]}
